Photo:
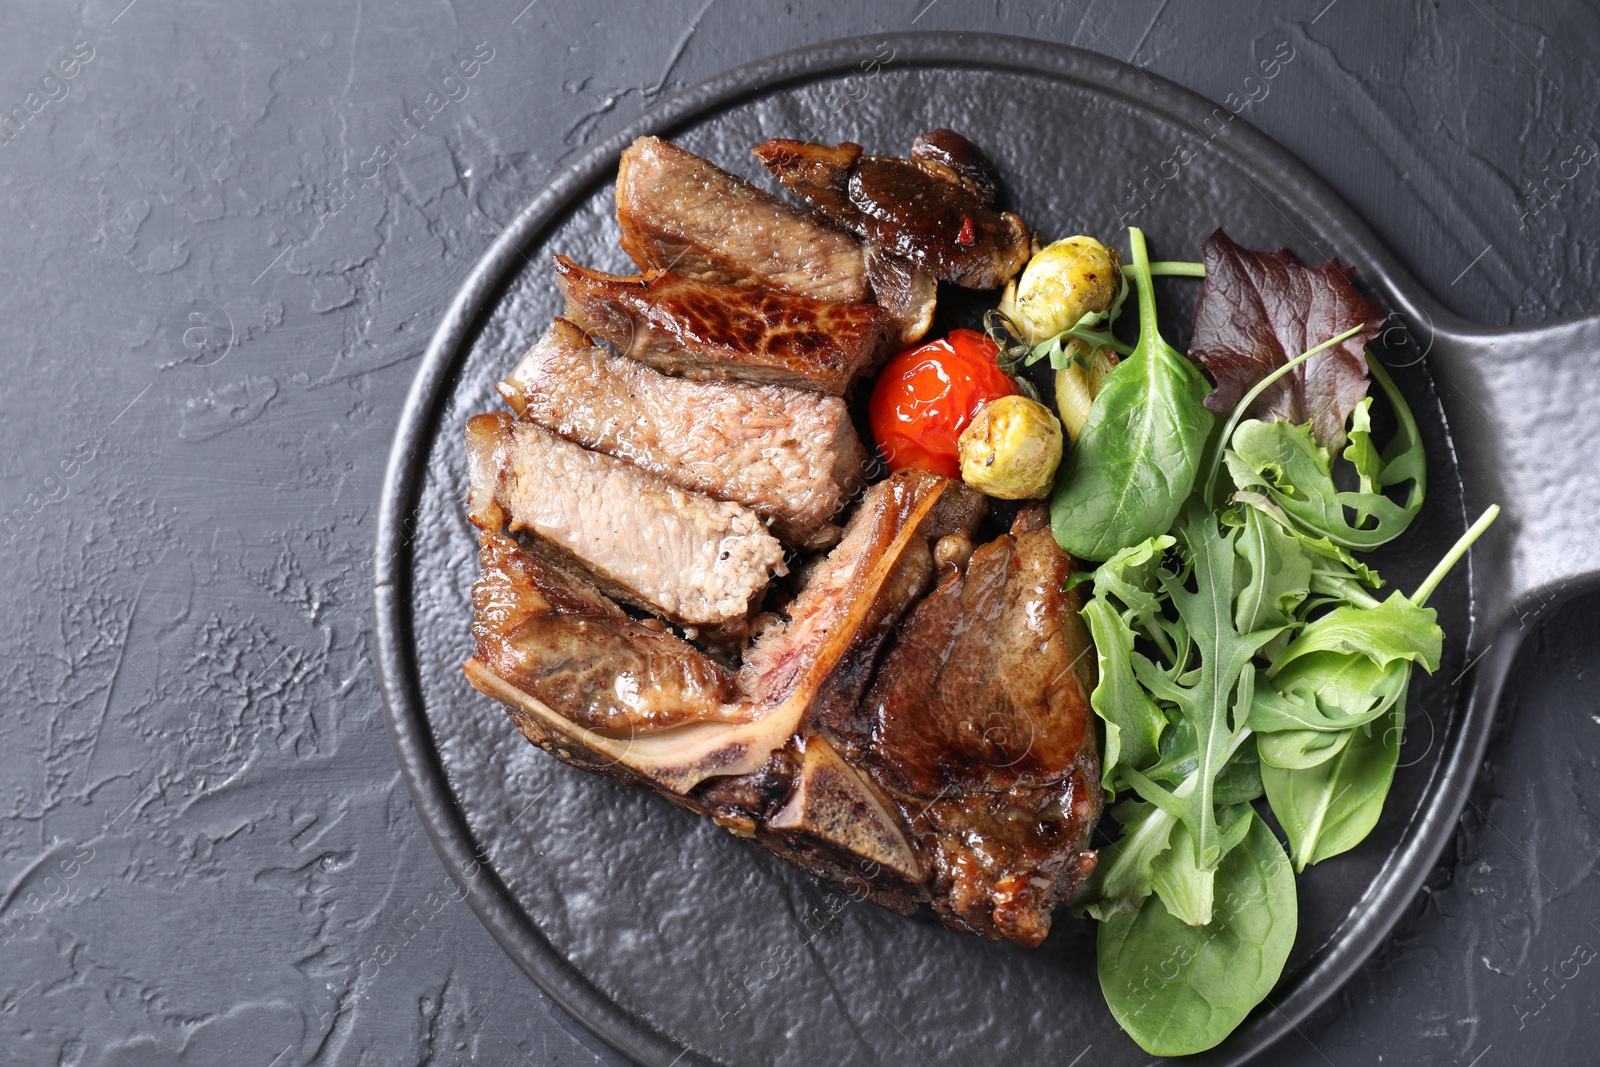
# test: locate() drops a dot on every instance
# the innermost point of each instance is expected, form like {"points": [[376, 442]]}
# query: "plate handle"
{"points": [[1524, 410]]}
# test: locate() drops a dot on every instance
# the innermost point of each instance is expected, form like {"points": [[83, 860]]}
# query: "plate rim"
{"points": [[1402, 874]]}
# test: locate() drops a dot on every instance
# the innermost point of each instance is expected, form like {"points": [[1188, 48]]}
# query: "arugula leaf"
{"points": [[1332, 807], [1280, 574], [1323, 691], [1178, 989], [1136, 456], [1130, 576], [1282, 464], [1258, 309], [1396, 629], [1299, 749], [1215, 696], [1186, 887], [1326, 763], [1133, 724], [1240, 781], [1344, 670], [1122, 878]]}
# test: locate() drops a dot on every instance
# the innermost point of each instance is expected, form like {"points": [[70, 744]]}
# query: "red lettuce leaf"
{"points": [[1257, 311]]}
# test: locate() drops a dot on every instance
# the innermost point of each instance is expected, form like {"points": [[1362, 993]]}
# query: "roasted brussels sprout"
{"points": [[1076, 388], [1069, 279], [1011, 449]]}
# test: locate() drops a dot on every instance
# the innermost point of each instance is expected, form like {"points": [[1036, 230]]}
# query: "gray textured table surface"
{"points": [[223, 256]]}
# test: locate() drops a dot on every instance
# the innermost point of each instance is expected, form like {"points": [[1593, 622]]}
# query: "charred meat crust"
{"points": [[926, 212], [696, 328]]}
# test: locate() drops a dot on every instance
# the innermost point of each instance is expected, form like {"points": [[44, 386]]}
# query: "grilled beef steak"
{"points": [[927, 212], [789, 454], [965, 777], [677, 553], [701, 329], [681, 213], [978, 723], [779, 686], [912, 747]]}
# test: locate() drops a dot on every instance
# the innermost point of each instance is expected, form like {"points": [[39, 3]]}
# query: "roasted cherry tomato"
{"points": [[926, 396]]}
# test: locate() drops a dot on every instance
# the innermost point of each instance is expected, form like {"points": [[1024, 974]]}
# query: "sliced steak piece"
{"points": [[924, 212], [907, 295], [558, 639], [790, 454], [703, 329], [677, 553], [981, 728], [680, 213]]}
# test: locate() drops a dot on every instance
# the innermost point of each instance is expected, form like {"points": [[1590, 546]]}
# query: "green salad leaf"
{"points": [[1136, 457], [1244, 656], [1282, 462], [1178, 989], [1133, 723], [1216, 697], [1331, 807], [1329, 724]]}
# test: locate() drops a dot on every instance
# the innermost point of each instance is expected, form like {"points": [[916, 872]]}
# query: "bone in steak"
{"points": [[926, 211], [700, 329], [980, 804], [668, 550], [895, 518]]}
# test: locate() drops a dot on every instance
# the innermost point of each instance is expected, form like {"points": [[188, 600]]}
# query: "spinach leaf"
{"points": [[1179, 989], [1136, 457], [1330, 808]]}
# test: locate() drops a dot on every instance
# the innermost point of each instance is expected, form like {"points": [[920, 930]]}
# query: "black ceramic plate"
{"points": [[682, 945]]}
